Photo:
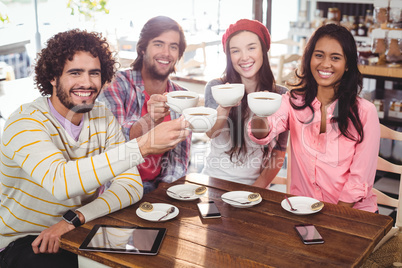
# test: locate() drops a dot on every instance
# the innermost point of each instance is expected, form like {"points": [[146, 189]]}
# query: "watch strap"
{"points": [[72, 218]]}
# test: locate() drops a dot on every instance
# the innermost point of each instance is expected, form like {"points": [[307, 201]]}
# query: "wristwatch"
{"points": [[72, 218]]}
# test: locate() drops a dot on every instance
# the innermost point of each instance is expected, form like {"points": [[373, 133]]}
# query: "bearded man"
{"points": [[137, 97], [59, 151]]}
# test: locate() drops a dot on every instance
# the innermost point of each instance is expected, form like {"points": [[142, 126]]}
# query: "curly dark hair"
{"points": [[62, 47], [346, 91]]}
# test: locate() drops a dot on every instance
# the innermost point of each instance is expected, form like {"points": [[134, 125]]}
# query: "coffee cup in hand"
{"points": [[227, 95], [201, 119], [180, 100], [264, 103]]}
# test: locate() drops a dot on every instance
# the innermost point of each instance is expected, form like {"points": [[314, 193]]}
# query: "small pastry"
{"points": [[146, 207], [200, 190], [317, 205], [254, 197]]}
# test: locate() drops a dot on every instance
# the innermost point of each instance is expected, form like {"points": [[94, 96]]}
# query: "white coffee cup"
{"points": [[201, 119], [264, 103], [180, 100], [228, 95]]}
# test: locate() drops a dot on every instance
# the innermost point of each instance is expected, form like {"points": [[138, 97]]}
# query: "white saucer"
{"points": [[184, 192], [240, 196], [301, 203], [158, 211]]}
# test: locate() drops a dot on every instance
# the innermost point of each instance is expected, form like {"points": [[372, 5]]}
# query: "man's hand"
{"points": [[157, 108], [49, 240], [163, 137]]}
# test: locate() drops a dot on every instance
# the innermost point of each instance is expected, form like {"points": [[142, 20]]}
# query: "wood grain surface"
{"points": [[260, 236]]}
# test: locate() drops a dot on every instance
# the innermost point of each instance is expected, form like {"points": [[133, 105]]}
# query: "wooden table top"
{"points": [[260, 236]]}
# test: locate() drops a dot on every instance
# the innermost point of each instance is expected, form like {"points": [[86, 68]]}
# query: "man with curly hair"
{"points": [[137, 97], [58, 151]]}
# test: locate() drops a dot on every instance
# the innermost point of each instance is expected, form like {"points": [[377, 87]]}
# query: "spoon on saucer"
{"points": [[169, 211], [176, 194], [290, 204], [243, 203]]}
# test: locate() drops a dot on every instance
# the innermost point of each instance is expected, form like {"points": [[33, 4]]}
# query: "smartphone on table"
{"points": [[208, 210], [309, 234]]}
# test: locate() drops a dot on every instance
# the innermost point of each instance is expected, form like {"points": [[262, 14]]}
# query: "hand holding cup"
{"points": [[264, 103], [180, 100], [201, 119], [228, 95]]}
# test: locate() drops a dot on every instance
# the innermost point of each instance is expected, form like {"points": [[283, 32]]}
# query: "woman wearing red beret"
{"points": [[233, 156]]}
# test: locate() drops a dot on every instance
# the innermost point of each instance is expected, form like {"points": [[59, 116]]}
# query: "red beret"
{"points": [[248, 25]]}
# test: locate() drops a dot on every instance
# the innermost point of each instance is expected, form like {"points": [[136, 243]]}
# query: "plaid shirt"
{"points": [[125, 97]]}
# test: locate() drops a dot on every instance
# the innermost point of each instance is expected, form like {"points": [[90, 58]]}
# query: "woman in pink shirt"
{"points": [[334, 133]]}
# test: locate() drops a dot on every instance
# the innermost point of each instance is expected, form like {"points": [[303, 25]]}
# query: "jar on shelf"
{"points": [[395, 11], [380, 11], [394, 44], [318, 18], [361, 30], [378, 45], [395, 109], [334, 15], [369, 21], [345, 22], [379, 105], [353, 25]]}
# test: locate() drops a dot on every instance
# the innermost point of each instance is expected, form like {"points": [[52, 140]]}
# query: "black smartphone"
{"points": [[209, 210], [309, 234]]}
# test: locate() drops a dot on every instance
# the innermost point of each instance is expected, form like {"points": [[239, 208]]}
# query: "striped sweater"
{"points": [[44, 172]]}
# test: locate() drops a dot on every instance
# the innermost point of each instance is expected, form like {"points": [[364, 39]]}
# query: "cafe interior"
{"points": [[25, 25]]}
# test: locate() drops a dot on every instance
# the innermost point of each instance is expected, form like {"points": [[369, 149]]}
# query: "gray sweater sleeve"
{"points": [[209, 99]]}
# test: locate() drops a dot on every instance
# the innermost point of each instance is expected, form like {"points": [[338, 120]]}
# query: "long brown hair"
{"points": [[349, 86], [239, 115]]}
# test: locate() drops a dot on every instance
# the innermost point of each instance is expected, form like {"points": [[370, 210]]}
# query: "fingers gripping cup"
{"points": [[264, 103], [180, 100], [228, 95], [201, 119]]}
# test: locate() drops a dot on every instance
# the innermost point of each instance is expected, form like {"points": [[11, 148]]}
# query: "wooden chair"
{"points": [[291, 57], [189, 62], [384, 199], [388, 251], [284, 180]]}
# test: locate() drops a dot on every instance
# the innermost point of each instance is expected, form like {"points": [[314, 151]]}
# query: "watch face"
{"points": [[70, 215]]}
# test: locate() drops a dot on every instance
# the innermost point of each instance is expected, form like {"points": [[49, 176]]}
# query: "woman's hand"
{"points": [[259, 126]]}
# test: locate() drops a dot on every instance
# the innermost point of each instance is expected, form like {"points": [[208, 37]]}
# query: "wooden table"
{"points": [[260, 236]]}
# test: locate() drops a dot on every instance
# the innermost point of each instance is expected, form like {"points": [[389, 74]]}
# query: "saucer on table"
{"points": [[235, 198], [158, 210], [301, 203]]}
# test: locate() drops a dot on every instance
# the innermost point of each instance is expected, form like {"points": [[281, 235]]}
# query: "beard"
{"points": [[65, 100], [153, 71]]}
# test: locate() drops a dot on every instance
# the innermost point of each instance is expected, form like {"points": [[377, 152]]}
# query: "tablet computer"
{"points": [[124, 239]]}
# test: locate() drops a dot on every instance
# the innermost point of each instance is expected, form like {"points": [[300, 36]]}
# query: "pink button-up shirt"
{"points": [[329, 166]]}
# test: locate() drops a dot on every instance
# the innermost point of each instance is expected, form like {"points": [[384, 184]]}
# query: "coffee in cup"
{"points": [[180, 100], [264, 103], [201, 119], [227, 95]]}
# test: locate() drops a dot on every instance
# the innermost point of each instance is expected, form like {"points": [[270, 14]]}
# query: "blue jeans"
{"points": [[19, 253]]}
